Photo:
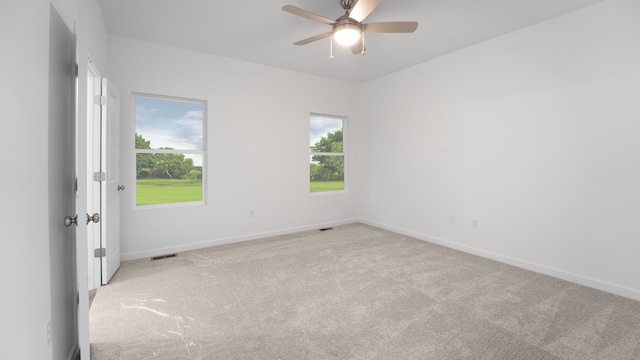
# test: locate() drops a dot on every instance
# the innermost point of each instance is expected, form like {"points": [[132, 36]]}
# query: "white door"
{"points": [[111, 194], [63, 329]]}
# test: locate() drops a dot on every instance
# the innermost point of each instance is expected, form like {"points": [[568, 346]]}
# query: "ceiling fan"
{"points": [[348, 30]]}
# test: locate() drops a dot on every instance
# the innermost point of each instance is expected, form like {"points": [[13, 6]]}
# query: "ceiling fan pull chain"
{"points": [[331, 48], [362, 34]]}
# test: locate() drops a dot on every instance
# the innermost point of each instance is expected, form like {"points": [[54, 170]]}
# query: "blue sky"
{"points": [[171, 123], [320, 125]]}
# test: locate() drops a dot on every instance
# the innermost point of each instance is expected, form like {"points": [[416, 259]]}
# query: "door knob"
{"points": [[95, 218], [68, 220], [120, 187]]}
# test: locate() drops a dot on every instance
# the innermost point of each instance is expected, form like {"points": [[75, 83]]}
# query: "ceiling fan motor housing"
{"points": [[345, 22]]}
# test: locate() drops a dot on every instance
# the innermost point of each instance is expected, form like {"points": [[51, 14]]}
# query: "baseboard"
{"points": [[542, 269], [229, 240]]}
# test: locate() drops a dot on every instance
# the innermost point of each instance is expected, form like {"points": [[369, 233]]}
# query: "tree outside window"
{"points": [[169, 150], [327, 155]]}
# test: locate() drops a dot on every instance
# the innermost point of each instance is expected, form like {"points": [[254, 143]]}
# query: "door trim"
{"points": [[94, 165]]}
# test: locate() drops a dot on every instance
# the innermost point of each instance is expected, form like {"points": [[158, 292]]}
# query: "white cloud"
{"points": [[170, 123], [320, 126]]}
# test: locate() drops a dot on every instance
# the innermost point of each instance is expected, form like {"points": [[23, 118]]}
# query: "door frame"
{"points": [[94, 165], [82, 245]]}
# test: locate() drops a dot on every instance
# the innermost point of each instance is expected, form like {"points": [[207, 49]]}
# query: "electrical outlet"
{"points": [[475, 223], [49, 333], [452, 219]]}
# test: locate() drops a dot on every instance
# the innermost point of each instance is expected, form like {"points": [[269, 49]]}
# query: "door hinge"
{"points": [[99, 176], [100, 253], [100, 100]]}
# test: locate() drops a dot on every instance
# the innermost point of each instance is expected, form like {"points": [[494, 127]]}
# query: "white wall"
{"points": [[24, 272], [25, 304], [535, 134], [69, 11], [258, 138], [97, 37]]}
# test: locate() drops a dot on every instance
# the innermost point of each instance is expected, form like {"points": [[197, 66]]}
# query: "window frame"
{"points": [[345, 141], [202, 152]]}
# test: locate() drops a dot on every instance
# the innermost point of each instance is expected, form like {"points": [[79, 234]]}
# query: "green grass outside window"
{"points": [[318, 186], [162, 191]]}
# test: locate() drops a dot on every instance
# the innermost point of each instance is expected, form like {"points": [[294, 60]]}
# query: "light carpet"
{"points": [[355, 292]]}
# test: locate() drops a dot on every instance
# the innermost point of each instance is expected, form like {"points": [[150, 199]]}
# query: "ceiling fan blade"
{"points": [[391, 27], [362, 9], [307, 14], [313, 38], [357, 49]]}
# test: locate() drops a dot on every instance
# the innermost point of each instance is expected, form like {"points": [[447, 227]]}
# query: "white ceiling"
{"points": [[259, 31]]}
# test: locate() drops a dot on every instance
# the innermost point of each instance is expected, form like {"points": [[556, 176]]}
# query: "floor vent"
{"points": [[325, 229], [163, 257]]}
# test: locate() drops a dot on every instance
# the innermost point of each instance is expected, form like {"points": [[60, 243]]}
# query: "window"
{"points": [[327, 153], [169, 150]]}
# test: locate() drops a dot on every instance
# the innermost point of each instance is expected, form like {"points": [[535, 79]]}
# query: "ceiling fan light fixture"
{"points": [[348, 30], [347, 34]]}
